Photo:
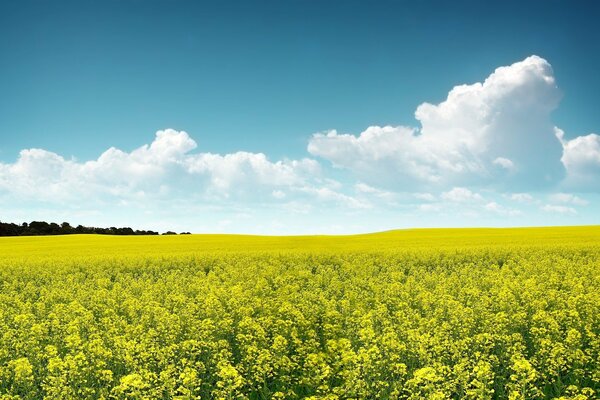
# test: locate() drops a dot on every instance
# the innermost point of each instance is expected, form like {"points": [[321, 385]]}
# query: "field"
{"points": [[415, 314]]}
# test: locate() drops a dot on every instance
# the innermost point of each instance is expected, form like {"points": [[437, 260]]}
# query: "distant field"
{"points": [[409, 314], [410, 239]]}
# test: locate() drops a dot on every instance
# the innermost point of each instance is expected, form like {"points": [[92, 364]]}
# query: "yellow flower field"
{"points": [[415, 314]]}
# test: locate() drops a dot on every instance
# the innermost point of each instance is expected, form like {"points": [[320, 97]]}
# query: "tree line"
{"points": [[36, 228]]}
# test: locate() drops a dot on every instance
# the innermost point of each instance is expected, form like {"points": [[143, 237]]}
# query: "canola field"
{"points": [[414, 314]]}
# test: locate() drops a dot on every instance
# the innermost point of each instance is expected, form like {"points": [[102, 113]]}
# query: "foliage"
{"points": [[432, 314], [38, 228]]}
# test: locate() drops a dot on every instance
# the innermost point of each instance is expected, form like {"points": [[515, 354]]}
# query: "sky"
{"points": [[300, 117]]}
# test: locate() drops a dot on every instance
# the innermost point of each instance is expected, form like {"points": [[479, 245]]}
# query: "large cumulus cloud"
{"points": [[497, 132]]}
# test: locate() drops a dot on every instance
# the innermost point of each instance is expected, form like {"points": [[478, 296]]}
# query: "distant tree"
{"points": [[45, 228], [54, 228], [66, 228], [7, 229], [39, 228]]}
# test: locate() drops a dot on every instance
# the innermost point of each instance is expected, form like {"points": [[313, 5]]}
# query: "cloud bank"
{"points": [[482, 151], [162, 168]]}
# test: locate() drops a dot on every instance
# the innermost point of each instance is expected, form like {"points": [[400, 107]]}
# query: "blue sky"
{"points": [[272, 115]]}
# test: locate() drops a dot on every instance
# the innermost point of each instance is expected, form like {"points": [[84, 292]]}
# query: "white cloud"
{"points": [[581, 158], [47, 176], [482, 133], [568, 198], [364, 188], [558, 209], [504, 163], [465, 202], [521, 197], [461, 195], [37, 173], [424, 196], [501, 210], [167, 170], [297, 207], [328, 195], [278, 194], [430, 207], [376, 194], [160, 169], [243, 171]]}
